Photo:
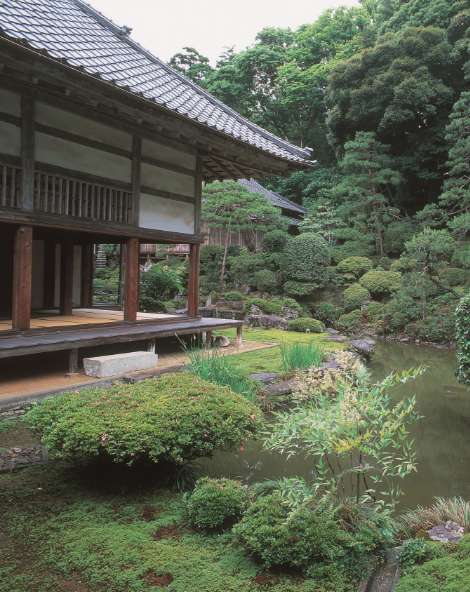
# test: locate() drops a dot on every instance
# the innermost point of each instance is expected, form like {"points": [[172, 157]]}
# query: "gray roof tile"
{"points": [[72, 31], [276, 199]]}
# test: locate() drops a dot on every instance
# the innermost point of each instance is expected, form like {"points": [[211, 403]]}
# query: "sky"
{"points": [[166, 26]]}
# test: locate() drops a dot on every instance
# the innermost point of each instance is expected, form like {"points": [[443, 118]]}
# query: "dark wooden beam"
{"points": [[22, 278], [27, 152], [193, 281], [131, 279], [50, 251], [66, 277], [135, 178], [86, 296]]}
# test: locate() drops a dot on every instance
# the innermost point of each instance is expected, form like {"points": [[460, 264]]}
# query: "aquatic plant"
{"points": [[443, 509]]}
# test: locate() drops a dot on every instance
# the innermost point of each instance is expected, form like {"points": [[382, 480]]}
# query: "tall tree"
{"points": [[191, 63], [366, 186]]}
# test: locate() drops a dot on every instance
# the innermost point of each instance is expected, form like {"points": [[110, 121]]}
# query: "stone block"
{"points": [[119, 364]]}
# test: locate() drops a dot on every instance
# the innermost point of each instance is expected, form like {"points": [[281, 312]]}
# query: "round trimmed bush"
{"points": [[350, 322], [327, 313], [355, 266], [299, 289], [274, 241], [215, 503], [306, 325], [265, 280], [233, 296], [355, 296], [175, 418], [306, 259], [381, 282], [276, 537]]}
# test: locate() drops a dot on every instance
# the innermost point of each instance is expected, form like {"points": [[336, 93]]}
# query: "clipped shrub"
{"points": [[175, 418], [453, 276], [306, 259], [306, 325], [233, 296], [160, 283], [438, 328], [265, 280], [275, 241], [355, 266], [327, 313], [299, 289], [276, 537], [350, 321], [375, 314], [399, 311], [380, 283], [418, 551], [266, 306], [462, 323], [215, 503], [355, 296]]}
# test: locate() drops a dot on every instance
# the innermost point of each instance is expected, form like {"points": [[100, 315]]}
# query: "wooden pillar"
{"points": [[22, 278], [66, 278], [86, 293], [49, 273], [131, 280], [193, 281]]}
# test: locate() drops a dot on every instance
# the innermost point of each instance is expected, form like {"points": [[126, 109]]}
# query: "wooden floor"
{"points": [[81, 316]]}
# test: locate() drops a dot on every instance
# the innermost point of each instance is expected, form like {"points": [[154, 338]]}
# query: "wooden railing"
{"points": [[69, 196], [10, 185]]}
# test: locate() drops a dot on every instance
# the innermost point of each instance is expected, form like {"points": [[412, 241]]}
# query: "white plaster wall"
{"points": [[10, 102], [59, 152], [159, 213], [10, 139], [167, 154], [158, 178], [82, 126]]}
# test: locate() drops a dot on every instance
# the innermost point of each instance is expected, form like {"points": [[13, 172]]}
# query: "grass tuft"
{"points": [[299, 356]]}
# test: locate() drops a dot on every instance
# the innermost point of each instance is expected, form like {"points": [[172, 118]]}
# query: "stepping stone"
{"points": [[264, 377], [118, 364]]}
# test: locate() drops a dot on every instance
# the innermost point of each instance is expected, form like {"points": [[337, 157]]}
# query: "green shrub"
{"points": [[399, 311], [380, 283], [160, 283], [462, 322], [217, 368], [265, 280], [453, 276], [350, 322], [175, 418], [275, 537], [375, 313], [298, 356], [242, 267], [233, 296], [215, 503], [275, 241], [306, 259], [355, 266], [267, 306], [306, 325], [438, 328], [299, 289], [355, 296], [417, 551], [327, 313]]}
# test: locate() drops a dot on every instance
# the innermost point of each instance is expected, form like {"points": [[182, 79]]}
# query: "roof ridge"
{"points": [[110, 24]]}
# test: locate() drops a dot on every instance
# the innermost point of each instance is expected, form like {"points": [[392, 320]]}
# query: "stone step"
{"points": [[119, 364]]}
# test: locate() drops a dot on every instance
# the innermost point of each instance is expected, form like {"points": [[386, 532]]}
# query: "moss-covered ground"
{"points": [[61, 531], [269, 360]]}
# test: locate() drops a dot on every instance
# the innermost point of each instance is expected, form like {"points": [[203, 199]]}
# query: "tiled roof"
{"points": [[275, 198], [74, 33]]}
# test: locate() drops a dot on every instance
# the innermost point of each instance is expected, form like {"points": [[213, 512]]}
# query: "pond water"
{"points": [[442, 436]]}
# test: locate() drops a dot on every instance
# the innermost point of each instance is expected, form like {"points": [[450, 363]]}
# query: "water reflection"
{"points": [[442, 436]]}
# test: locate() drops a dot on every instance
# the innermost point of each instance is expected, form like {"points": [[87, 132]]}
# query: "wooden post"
{"points": [[86, 295], [131, 280], [73, 361], [22, 278], [49, 273], [239, 338], [193, 281], [66, 278]]}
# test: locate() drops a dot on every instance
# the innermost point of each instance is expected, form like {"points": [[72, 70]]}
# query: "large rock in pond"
{"points": [[450, 532], [364, 347]]}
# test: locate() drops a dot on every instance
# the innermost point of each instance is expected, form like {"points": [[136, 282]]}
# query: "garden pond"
{"points": [[441, 436]]}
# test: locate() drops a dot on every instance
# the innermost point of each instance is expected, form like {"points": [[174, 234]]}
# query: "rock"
{"points": [[220, 341], [118, 364], [290, 314], [330, 364], [266, 321], [279, 389], [338, 338], [15, 458], [264, 377], [450, 532], [364, 347], [332, 331]]}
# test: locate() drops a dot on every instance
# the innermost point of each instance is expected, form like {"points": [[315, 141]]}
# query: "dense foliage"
{"points": [[175, 418], [215, 503], [463, 339], [380, 91]]}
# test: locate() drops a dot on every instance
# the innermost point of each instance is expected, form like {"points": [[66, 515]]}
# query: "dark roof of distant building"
{"points": [[276, 199], [75, 34]]}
